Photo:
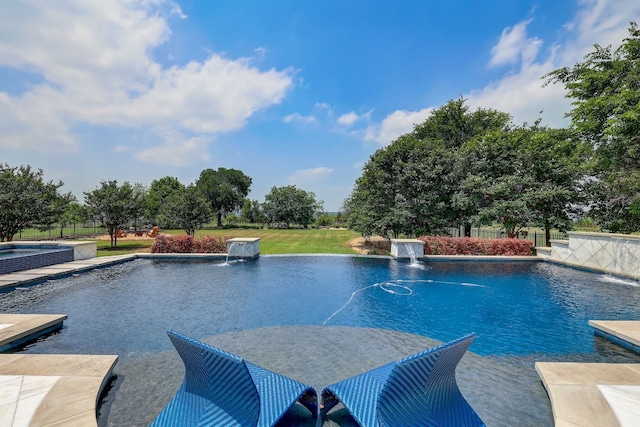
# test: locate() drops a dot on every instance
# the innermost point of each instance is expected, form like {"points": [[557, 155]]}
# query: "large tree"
{"points": [[25, 199], [408, 186], [225, 189], [524, 176], [291, 205], [157, 200], [189, 209], [115, 206], [605, 89], [253, 212], [497, 182]]}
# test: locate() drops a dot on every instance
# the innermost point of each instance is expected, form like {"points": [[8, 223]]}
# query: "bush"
{"points": [[186, 244], [210, 245], [437, 245]]}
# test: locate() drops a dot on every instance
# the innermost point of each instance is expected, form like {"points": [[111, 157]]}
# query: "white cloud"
{"points": [[299, 118], [348, 119], [309, 175], [395, 124], [96, 65], [520, 90], [514, 46], [177, 152], [522, 94]]}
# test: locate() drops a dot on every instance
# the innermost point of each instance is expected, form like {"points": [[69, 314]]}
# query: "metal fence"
{"points": [[536, 236], [69, 231]]}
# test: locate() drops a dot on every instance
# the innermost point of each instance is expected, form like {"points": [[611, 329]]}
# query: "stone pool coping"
{"points": [[17, 329], [580, 393], [623, 332], [53, 389]]}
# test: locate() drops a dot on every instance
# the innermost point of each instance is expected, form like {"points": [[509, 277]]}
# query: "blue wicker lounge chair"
{"points": [[221, 389], [420, 390]]}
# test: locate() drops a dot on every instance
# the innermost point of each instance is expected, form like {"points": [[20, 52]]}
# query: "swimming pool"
{"points": [[522, 311]]}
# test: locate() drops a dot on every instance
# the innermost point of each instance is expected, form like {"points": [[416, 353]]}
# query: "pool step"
{"points": [[18, 329], [623, 332]]}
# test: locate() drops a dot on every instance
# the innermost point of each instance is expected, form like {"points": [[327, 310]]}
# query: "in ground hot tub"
{"points": [[18, 257]]}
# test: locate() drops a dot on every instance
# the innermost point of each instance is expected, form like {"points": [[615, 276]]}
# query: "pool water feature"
{"points": [[522, 311]]}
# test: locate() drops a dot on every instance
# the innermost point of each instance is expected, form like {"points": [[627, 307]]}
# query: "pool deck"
{"points": [[592, 394], [29, 277], [16, 329], [47, 390], [53, 389], [623, 332], [596, 394]]}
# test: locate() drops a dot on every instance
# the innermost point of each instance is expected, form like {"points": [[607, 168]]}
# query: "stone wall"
{"points": [[617, 254]]}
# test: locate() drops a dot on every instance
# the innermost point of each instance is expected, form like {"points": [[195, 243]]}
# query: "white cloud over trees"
{"points": [[520, 90], [92, 63]]}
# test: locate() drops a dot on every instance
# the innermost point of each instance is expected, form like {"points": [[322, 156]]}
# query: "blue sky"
{"points": [[289, 92]]}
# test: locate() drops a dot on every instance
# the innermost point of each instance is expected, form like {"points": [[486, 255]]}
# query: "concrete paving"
{"points": [[30, 277], [16, 329], [592, 394], [52, 390], [623, 332], [596, 394]]}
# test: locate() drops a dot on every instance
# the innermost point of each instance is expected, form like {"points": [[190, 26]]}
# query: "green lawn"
{"points": [[308, 241]]}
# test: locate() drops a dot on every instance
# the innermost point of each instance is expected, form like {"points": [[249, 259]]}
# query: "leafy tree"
{"points": [[115, 206], [189, 209], [156, 203], [605, 89], [291, 205], [25, 199], [556, 160], [253, 212], [225, 189], [522, 177], [498, 181], [408, 186], [57, 212], [326, 219], [75, 214]]}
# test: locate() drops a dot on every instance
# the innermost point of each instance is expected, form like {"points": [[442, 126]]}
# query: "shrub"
{"points": [[186, 244], [210, 245], [439, 245]]}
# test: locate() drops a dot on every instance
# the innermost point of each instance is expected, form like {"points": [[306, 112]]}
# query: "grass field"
{"points": [[307, 241]]}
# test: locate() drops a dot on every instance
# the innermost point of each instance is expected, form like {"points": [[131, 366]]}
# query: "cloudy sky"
{"points": [[289, 92]]}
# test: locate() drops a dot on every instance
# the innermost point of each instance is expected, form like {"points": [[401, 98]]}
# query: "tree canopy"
{"points": [[189, 209], [26, 199], [157, 200], [115, 206], [291, 205], [605, 89], [225, 189], [409, 186]]}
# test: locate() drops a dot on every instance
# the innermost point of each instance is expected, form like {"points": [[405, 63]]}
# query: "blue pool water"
{"points": [[12, 253], [516, 308]]}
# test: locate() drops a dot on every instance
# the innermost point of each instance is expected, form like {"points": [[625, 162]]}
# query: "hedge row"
{"points": [[186, 244], [476, 246]]}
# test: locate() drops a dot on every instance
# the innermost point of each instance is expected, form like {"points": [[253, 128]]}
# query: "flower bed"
{"points": [[439, 245], [187, 244]]}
